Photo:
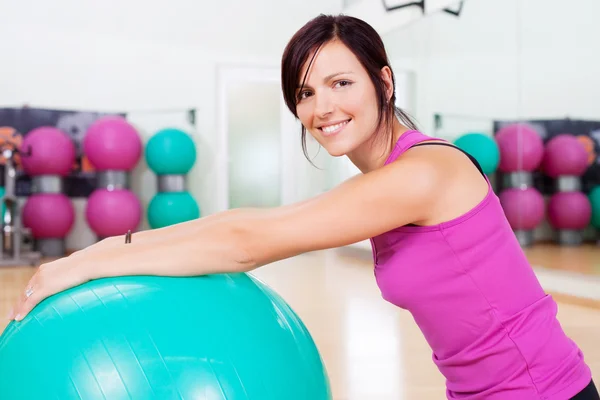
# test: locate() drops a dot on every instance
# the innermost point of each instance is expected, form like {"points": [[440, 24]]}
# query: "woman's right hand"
{"points": [[54, 277], [60, 274]]}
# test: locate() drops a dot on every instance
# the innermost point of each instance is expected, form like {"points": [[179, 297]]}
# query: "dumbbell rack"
{"points": [[12, 251]]}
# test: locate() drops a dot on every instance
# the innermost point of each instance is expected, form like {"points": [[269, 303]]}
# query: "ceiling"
{"points": [[249, 27]]}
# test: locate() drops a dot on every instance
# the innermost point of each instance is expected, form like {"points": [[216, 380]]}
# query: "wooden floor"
{"points": [[584, 259], [372, 350]]}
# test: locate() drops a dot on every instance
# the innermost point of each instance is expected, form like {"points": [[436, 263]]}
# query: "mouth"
{"points": [[329, 130]]}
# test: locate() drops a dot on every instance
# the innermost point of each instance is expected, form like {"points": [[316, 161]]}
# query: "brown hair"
{"points": [[361, 39]]}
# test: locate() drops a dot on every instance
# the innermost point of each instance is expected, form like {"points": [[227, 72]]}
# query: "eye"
{"points": [[343, 83], [304, 94]]}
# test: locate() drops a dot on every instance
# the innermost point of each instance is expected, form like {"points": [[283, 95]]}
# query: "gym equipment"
{"points": [[112, 143], [481, 147], [113, 147], [48, 212], [521, 152], [217, 337], [566, 160], [570, 213], [170, 151], [14, 252], [50, 216], [524, 209], [113, 212], [3, 207], [171, 154], [594, 198], [167, 209], [52, 153]]}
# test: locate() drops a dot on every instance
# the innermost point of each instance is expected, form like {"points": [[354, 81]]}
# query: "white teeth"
{"points": [[333, 128]]}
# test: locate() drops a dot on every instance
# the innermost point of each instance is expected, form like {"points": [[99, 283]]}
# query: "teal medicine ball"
{"points": [[212, 337], [483, 148], [170, 152]]}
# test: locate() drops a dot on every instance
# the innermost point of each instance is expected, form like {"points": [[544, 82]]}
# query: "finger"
{"points": [[27, 303], [25, 293], [45, 284], [21, 299], [31, 287], [47, 281], [29, 297]]}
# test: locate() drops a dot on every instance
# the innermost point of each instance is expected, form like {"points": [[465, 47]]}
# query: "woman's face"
{"points": [[338, 103]]}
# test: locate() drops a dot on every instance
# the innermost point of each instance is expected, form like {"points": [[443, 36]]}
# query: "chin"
{"points": [[337, 153], [339, 149]]}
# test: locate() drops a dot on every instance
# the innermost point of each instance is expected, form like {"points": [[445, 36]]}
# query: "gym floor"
{"points": [[371, 349]]}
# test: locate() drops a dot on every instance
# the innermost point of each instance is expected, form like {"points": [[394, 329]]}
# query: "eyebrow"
{"points": [[328, 77]]}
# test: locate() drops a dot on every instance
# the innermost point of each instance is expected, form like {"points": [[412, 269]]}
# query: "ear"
{"points": [[386, 75]]}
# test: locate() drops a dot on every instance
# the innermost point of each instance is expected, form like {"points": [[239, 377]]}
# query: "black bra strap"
{"points": [[451, 145]]}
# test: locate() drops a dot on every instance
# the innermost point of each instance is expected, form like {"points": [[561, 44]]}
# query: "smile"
{"points": [[333, 129]]}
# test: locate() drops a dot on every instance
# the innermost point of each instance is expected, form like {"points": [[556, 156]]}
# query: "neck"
{"points": [[372, 154]]}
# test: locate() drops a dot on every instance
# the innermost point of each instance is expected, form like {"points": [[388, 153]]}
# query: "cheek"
{"points": [[360, 104], [304, 115]]}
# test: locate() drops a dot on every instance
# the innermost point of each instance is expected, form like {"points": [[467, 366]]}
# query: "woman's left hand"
{"points": [[60, 275]]}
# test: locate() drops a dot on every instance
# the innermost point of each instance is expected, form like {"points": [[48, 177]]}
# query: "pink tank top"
{"points": [[469, 287]]}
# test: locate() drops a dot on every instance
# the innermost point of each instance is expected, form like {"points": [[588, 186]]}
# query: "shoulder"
{"points": [[429, 168], [413, 176], [426, 185], [460, 185]]}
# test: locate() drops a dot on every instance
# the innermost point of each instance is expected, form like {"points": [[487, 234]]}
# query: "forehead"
{"points": [[332, 57]]}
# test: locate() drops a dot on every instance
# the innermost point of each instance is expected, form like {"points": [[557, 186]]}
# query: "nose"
{"points": [[323, 105]]}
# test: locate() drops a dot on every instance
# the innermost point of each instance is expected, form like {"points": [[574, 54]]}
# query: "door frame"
{"points": [[226, 75]]}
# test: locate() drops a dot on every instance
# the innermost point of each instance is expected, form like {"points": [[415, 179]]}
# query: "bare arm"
{"points": [[403, 192], [244, 239]]}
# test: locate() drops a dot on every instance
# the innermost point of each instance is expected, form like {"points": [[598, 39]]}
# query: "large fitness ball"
{"points": [[213, 337], [482, 148]]}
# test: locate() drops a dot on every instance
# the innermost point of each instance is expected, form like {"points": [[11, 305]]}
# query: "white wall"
{"points": [[504, 59]]}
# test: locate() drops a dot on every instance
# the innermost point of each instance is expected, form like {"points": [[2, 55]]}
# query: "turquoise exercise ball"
{"points": [[483, 148], [217, 337], [170, 208], [170, 152]]}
